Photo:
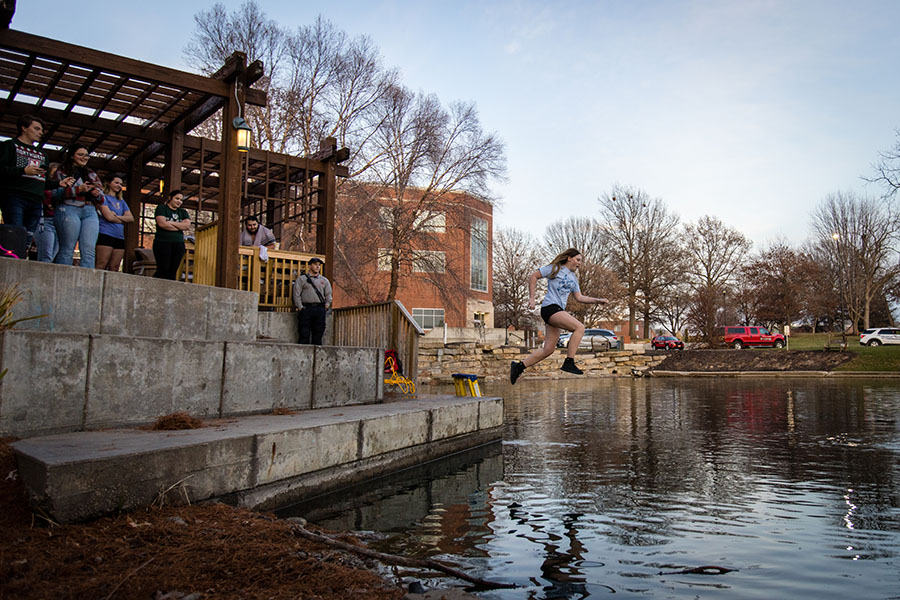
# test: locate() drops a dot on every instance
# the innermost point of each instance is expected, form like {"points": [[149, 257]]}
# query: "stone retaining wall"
{"points": [[437, 362]]}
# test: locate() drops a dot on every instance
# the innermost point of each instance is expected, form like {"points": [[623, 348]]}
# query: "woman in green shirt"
{"points": [[168, 244]]}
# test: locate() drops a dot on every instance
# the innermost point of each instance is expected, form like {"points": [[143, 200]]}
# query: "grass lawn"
{"points": [[882, 358]]}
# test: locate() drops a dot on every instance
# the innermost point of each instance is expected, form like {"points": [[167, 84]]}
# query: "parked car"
{"points": [[666, 342], [879, 336], [594, 339], [739, 336]]}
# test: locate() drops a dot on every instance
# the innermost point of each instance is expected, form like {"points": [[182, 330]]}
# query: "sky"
{"points": [[752, 111]]}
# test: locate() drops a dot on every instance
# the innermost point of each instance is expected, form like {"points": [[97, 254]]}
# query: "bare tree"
{"points": [[516, 256], [319, 82], [774, 286], [641, 246], [887, 169], [673, 305], [860, 237], [715, 253], [430, 153]]}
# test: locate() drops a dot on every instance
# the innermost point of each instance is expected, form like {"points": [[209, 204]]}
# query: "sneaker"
{"points": [[516, 368], [569, 367]]}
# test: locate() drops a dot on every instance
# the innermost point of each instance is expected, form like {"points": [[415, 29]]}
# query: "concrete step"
{"points": [[65, 382], [254, 461], [90, 301]]}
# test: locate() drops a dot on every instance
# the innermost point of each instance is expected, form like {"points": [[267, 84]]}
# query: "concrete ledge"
{"points": [[89, 301], [262, 376], [252, 460], [135, 380], [58, 382]]}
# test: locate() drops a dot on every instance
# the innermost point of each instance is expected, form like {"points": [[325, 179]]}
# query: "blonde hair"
{"points": [[561, 259]]}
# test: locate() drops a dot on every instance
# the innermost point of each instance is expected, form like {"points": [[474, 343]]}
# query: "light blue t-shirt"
{"points": [[559, 288]]}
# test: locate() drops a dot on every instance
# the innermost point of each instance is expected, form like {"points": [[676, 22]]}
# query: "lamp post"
{"points": [[840, 269]]}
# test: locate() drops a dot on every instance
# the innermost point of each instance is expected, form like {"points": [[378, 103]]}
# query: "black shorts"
{"points": [[550, 310], [108, 240]]}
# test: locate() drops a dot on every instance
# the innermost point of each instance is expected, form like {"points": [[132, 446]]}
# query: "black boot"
{"points": [[569, 367], [515, 369]]}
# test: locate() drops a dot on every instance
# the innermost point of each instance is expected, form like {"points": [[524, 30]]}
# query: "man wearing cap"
{"points": [[312, 295]]}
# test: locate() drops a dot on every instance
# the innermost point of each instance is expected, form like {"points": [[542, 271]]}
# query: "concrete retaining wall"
{"points": [[78, 300], [61, 382]]}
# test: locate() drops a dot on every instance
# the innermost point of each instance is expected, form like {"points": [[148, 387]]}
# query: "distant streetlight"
{"points": [[840, 269]]}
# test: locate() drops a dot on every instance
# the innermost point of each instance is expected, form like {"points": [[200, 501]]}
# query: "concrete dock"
{"points": [[255, 461]]}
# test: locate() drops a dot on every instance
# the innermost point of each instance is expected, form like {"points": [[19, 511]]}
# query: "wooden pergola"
{"points": [[136, 117]]}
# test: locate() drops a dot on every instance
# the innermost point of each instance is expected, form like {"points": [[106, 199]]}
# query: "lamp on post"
{"points": [[243, 134]]}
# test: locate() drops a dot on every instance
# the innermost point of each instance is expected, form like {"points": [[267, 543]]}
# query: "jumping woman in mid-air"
{"points": [[561, 282]]}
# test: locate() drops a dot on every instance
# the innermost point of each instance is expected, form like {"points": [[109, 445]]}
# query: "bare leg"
{"points": [[563, 320], [551, 336], [102, 256], [115, 260]]}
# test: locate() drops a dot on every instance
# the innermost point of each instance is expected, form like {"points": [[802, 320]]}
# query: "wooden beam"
{"points": [[27, 43], [54, 115]]}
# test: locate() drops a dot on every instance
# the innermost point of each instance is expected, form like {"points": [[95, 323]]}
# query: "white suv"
{"points": [[877, 337]]}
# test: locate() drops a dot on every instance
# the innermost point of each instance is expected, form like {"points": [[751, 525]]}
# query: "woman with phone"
{"points": [[76, 217]]}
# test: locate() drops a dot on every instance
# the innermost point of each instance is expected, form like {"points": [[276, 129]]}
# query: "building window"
{"points": [[428, 318], [479, 254], [428, 261], [429, 221], [384, 259]]}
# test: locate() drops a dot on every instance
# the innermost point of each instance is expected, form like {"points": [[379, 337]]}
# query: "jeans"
{"points": [[22, 212], [45, 240], [76, 224]]}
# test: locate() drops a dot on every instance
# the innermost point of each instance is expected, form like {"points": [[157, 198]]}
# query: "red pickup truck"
{"points": [[740, 336]]}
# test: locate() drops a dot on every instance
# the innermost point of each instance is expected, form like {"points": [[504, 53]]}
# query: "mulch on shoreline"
{"points": [[170, 553], [704, 361]]}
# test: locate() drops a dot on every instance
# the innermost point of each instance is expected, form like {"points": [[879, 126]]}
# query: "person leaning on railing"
{"points": [[255, 234]]}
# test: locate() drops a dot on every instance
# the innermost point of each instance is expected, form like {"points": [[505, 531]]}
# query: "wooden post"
{"points": [[174, 156], [135, 205], [229, 230], [326, 215]]}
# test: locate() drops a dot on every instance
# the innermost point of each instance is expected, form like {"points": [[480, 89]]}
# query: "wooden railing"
{"points": [[385, 325], [271, 279]]}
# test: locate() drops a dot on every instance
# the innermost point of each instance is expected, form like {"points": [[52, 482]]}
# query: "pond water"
{"points": [[615, 487]]}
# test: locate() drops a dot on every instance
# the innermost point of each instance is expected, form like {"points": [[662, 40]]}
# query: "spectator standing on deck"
{"points": [[76, 217], [168, 243], [114, 213], [23, 170], [312, 295]]}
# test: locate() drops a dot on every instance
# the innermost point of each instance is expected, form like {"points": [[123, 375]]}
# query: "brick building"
{"points": [[443, 246]]}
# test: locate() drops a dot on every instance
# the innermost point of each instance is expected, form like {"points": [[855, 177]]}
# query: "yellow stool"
{"points": [[461, 379]]}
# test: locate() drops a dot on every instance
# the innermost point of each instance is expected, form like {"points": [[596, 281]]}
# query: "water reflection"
{"points": [[620, 485]]}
